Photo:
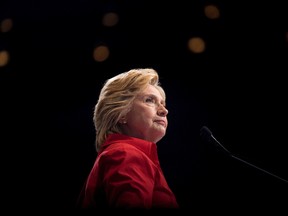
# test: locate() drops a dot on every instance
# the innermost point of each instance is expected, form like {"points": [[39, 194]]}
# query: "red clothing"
{"points": [[127, 174]]}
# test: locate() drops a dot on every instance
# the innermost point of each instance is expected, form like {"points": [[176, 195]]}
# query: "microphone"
{"points": [[207, 136]]}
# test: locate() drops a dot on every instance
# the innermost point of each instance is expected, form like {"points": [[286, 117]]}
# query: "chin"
{"points": [[160, 137]]}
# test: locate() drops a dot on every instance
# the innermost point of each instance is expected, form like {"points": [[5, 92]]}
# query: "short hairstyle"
{"points": [[116, 98]]}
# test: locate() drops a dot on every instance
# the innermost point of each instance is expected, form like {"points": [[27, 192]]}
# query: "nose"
{"points": [[162, 110]]}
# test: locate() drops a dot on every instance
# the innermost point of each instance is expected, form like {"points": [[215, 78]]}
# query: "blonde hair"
{"points": [[116, 97]]}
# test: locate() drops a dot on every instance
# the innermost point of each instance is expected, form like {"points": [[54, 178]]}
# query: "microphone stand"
{"points": [[207, 135], [263, 170]]}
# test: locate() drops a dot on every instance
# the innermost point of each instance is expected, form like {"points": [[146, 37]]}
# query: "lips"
{"points": [[161, 122]]}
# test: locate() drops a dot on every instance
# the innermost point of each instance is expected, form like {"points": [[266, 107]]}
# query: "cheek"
{"points": [[141, 114], [140, 117], [134, 116]]}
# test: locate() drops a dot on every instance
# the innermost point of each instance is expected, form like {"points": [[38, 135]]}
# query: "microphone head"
{"points": [[207, 136], [205, 133]]}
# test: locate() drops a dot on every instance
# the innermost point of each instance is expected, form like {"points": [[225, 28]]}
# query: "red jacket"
{"points": [[127, 174]]}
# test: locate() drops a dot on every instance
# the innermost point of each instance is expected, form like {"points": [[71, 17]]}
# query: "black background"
{"points": [[237, 88]]}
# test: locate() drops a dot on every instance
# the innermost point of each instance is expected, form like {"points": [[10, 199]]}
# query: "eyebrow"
{"points": [[154, 96]]}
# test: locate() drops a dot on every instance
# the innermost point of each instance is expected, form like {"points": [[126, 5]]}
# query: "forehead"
{"points": [[151, 90]]}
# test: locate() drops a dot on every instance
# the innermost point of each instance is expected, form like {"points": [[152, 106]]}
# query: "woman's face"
{"points": [[147, 118]]}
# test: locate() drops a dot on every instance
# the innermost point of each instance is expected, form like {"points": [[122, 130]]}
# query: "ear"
{"points": [[122, 120]]}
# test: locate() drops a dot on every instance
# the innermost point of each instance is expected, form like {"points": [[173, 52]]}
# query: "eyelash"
{"points": [[151, 100]]}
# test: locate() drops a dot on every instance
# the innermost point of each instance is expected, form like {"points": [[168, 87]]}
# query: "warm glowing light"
{"points": [[212, 12], [4, 58], [110, 19], [6, 25], [196, 45], [101, 53]]}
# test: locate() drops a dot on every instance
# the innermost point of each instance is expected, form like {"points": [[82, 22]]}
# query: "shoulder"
{"points": [[121, 152]]}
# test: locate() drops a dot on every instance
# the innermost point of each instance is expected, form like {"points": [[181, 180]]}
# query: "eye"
{"points": [[150, 100]]}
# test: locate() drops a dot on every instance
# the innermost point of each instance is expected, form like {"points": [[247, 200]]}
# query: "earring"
{"points": [[122, 121]]}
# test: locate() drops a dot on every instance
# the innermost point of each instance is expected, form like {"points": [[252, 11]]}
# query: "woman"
{"points": [[130, 117]]}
